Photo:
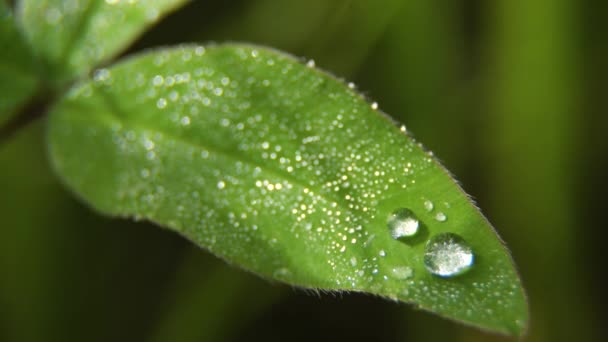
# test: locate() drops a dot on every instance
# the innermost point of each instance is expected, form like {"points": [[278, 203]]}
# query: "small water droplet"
{"points": [[441, 217], [403, 272], [221, 185], [428, 205], [158, 80], [311, 63], [199, 51], [374, 105], [101, 75], [382, 253], [282, 273], [403, 223], [447, 255]]}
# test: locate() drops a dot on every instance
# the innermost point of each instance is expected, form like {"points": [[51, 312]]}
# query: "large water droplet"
{"points": [[403, 223], [447, 255]]}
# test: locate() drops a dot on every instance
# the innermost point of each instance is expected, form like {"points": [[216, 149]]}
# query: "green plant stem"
{"points": [[532, 147]]}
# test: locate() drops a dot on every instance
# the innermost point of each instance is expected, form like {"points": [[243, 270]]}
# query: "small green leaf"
{"points": [[287, 172], [75, 36], [18, 80]]}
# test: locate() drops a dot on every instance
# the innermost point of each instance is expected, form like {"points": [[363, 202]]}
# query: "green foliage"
{"points": [[281, 169], [74, 36], [508, 94], [18, 79]]}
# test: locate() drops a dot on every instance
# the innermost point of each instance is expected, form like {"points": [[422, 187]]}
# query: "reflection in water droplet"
{"points": [[402, 223], [447, 255], [403, 272]]}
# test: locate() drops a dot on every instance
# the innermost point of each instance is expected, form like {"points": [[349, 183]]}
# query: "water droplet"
{"points": [[158, 80], [374, 105], [403, 223], [403, 272], [382, 253], [282, 273], [441, 217], [428, 205], [447, 255], [199, 51], [101, 75], [311, 63]]}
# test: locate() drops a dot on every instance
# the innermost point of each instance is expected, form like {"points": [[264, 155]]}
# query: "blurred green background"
{"points": [[509, 94]]}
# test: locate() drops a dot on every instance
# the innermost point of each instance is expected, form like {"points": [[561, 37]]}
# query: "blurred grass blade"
{"points": [[212, 304], [535, 127], [75, 36], [287, 172], [18, 80], [338, 34]]}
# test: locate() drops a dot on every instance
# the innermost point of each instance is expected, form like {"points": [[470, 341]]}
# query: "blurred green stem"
{"points": [[532, 146], [210, 299]]}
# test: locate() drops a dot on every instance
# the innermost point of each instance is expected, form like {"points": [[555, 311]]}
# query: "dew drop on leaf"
{"points": [[441, 217], [428, 205], [403, 272], [447, 255], [402, 223]]}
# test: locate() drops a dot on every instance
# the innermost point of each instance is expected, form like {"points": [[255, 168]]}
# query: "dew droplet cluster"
{"points": [[264, 160]]}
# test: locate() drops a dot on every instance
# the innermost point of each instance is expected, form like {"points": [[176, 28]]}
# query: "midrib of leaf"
{"points": [[319, 282], [115, 108]]}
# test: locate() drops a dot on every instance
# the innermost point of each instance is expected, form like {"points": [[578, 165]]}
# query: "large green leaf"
{"points": [[74, 36], [18, 80], [283, 170]]}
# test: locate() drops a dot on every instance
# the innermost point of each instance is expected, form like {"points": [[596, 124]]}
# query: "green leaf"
{"points": [[18, 80], [75, 36], [283, 170]]}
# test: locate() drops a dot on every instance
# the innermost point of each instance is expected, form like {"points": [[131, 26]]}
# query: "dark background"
{"points": [[510, 94]]}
